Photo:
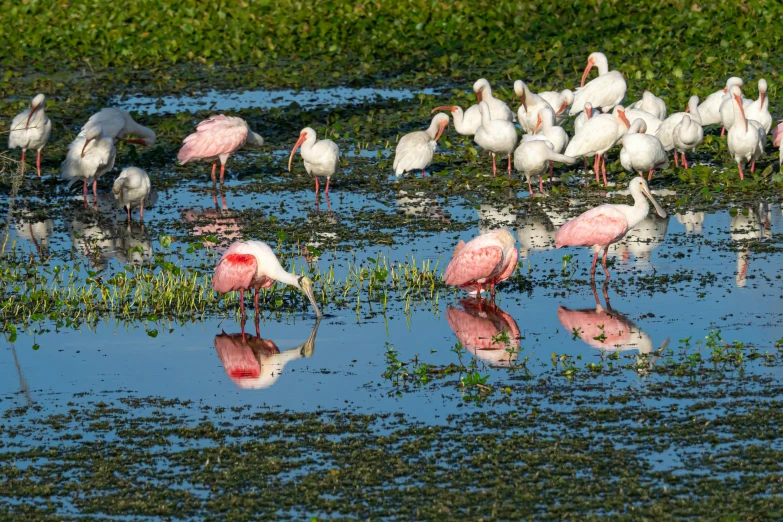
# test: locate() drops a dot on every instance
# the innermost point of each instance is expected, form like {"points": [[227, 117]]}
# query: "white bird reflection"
{"points": [[748, 224], [692, 221], [641, 240], [254, 363]]}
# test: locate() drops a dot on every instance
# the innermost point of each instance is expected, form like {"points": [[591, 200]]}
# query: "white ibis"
{"points": [[95, 158], [726, 109], [603, 92], [465, 122], [746, 137], [687, 135], [651, 122], [709, 109], [758, 110], [116, 124], [534, 157], [559, 101], [320, 157], [650, 103], [497, 108], [495, 136], [642, 152], [584, 116], [416, 150], [30, 130], [665, 132], [130, 190], [527, 114], [217, 138], [597, 136]]}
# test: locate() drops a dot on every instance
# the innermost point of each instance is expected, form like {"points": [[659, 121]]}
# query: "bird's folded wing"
{"points": [[599, 226], [472, 263]]}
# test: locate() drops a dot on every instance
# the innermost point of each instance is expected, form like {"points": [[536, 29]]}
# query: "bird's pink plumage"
{"points": [[471, 264], [777, 134], [214, 137], [602, 226], [234, 272]]}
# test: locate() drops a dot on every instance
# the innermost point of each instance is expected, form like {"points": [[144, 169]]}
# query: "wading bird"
{"points": [[532, 103], [130, 190], [252, 265], [652, 104], [217, 138], [483, 262], [497, 108], [642, 152], [415, 150], [687, 135], [465, 122], [496, 136], [559, 101], [534, 157], [746, 137], [652, 123], [607, 224], [597, 136], [709, 109], [30, 130], [320, 157], [758, 110], [95, 159], [665, 132], [603, 92], [116, 124]]}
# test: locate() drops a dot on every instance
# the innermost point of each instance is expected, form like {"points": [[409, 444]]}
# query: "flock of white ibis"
{"points": [[643, 129]]}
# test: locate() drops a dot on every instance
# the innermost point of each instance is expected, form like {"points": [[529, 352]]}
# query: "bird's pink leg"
{"points": [[38, 163], [214, 166], [95, 188], [258, 328], [242, 303], [603, 262], [128, 209], [597, 167], [317, 186], [684, 161], [23, 153], [478, 293], [742, 174], [592, 268], [327, 187], [141, 211], [551, 172], [649, 175], [422, 173], [753, 166], [529, 187], [85, 190], [509, 166], [603, 168], [494, 167], [541, 184], [242, 325], [722, 131], [255, 302], [222, 172], [675, 159]]}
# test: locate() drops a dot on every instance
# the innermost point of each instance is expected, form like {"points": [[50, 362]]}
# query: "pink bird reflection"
{"points": [[220, 221], [479, 324]]}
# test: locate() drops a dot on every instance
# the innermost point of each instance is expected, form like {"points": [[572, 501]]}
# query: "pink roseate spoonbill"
{"points": [[642, 152], [758, 110], [687, 135], [597, 136], [534, 157], [606, 224], [777, 135], [498, 109], [665, 132], [603, 92], [559, 101], [478, 326], [253, 363], [30, 130], [651, 122], [651, 104], [415, 150], [252, 265], [746, 137], [217, 138], [709, 109], [118, 123], [131, 189], [320, 157], [95, 159], [483, 262], [496, 136], [465, 122], [532, 103]]}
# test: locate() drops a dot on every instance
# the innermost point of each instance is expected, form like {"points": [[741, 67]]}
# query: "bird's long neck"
{"points": [[433, 129], [280, 274], [602, 65], [638, 211], [307, 144], [486, 119], [458, 117], [140, 130], [739, 117]]}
